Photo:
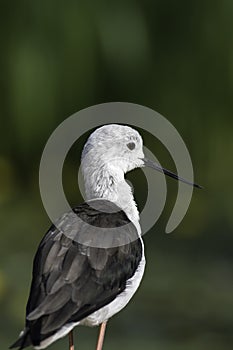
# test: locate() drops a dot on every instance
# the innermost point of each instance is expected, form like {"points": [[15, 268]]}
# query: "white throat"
{"points": [[108, 182]]}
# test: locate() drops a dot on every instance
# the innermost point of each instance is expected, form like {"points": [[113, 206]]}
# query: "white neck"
{"points": [[108, 182]]}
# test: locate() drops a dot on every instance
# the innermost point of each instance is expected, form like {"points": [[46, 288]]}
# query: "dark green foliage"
{"points": [[175, 57]]}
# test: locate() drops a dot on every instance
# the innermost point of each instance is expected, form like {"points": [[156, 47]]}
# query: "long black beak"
{"points": [[157, 167]]}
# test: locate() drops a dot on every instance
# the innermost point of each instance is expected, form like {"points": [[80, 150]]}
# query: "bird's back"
{"points": [[82, 264]]}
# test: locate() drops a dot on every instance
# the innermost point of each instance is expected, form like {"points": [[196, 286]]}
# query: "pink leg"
{"points": [[71, 341], [101, 336]]}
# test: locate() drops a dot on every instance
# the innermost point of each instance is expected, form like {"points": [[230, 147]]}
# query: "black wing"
{"points": [[72, 275]]}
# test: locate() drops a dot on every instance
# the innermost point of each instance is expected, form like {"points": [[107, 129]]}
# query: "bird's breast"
{"points": [[121, 300]]}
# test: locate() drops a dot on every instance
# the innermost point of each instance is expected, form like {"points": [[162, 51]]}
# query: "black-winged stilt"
{"points": [[91, 261]]}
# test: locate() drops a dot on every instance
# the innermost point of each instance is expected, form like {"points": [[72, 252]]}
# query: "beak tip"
{"points": [[149, 163], [198, 186]]}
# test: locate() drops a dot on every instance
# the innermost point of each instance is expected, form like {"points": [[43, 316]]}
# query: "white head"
{"points": [[113, 145], [108, 154]]}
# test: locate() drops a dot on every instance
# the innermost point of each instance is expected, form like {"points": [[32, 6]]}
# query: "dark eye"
{"points": [[131, 145]]}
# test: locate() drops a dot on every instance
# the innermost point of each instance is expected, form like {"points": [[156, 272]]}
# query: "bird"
{"points": [[91, 261]]}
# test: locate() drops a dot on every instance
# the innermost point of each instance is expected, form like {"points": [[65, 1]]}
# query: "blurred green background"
{"points": [[175, 57]]}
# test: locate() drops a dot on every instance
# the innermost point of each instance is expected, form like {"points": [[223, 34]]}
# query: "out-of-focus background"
{"points": [[175, 57]]}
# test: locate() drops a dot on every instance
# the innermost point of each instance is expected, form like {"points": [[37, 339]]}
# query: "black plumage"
{"points": [[82, 264]]}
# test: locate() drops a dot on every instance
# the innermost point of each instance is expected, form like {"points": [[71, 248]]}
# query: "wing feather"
{"points": [[72, 279]]}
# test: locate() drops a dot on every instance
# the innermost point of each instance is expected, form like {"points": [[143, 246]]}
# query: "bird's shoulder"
{"points": [[98, 223]]}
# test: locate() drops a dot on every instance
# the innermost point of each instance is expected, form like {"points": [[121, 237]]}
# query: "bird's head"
{"points": [[119, 147], [114, 145]]}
